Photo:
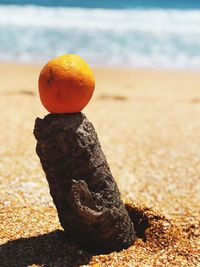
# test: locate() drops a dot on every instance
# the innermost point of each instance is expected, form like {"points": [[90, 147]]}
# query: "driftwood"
{"points": [[82, 187]]}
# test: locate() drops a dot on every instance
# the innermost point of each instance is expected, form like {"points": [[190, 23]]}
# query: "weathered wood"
{"points": [[82, 187]]}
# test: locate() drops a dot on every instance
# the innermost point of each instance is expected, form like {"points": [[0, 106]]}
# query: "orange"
{"points": [[66, 84]]}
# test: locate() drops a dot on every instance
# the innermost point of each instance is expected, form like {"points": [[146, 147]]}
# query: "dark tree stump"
{"points": [[82, 187]]}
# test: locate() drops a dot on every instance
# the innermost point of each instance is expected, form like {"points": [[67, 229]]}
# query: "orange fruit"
{"points": [[66, 84]]}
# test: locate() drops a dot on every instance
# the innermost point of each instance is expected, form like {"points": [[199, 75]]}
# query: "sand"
{"points": [[148, 123]]}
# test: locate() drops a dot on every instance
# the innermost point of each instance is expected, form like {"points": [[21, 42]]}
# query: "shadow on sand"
{"points": [[52, 249]]}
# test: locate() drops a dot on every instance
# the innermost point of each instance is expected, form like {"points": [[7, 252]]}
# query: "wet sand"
{"points": [[148, 123]]}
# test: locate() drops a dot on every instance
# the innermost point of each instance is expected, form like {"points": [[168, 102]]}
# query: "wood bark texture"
{"points": [[83, 189]]}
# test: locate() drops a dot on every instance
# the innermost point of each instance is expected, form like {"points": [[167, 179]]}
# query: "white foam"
{"points": [[156, 21]]}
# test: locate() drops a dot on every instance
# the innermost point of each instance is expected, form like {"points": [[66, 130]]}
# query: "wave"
{"points": [[145, 20], [133, 37]]}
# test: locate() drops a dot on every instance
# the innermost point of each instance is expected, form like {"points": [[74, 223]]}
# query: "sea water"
{"points": [[145, 34]]}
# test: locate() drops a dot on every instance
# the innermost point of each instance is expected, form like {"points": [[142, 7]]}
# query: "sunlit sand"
{"points": [[148, 123]]}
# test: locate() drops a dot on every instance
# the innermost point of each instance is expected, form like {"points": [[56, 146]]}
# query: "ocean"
{"points": [[113, 33]]}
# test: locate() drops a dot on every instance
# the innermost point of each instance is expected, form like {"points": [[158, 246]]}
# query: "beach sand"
{"points": [[148, 123]]}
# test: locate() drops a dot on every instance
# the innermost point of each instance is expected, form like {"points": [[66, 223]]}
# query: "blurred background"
{"points": [[114, 33]]}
